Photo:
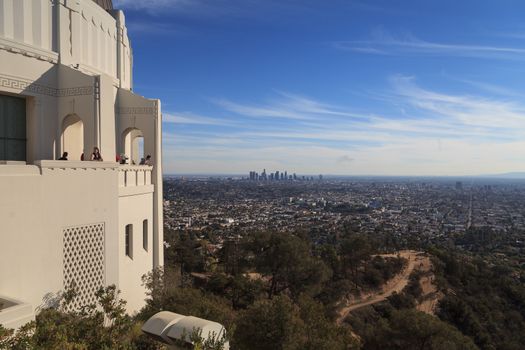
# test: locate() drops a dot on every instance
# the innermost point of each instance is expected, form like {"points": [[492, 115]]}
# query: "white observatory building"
{"points": [[66, 85]]}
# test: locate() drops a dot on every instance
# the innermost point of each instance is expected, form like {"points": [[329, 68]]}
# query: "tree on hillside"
{"points": [[484, 299], [321, 332], [240, 290], [270, 324], [288, 262], [355, 251], [328, 253], [409, 329], [185, 252], [280, 324]]}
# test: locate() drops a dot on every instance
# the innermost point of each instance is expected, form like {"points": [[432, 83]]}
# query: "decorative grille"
{"points": [[84, 265]]}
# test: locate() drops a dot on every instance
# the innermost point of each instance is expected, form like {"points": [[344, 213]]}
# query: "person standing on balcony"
{"points": [[148, 160], [64, 156], [96, 156]]}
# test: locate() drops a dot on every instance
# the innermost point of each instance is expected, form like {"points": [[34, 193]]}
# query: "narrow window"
{"points": [[145, 235], [129, 240]]}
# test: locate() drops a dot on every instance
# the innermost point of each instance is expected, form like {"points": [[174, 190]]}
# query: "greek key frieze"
{"points": [[23, 85], [136, 110], [75, 91]]}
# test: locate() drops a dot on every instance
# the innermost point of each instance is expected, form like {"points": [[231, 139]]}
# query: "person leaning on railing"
{"points": [[96, 156]]}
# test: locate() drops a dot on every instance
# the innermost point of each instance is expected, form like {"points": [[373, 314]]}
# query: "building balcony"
{"points": [[134, 179], [134, 175], [45, 167], [130, 179]]}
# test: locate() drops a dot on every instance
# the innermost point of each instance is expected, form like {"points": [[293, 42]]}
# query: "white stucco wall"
{"points": [[71, 57], [36, 205], [133, 209]]}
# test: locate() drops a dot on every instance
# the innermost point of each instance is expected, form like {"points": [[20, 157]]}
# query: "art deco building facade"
{"points": [[66, 86]]}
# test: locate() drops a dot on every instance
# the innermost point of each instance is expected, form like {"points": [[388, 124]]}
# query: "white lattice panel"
{"points": [[84, 262]]}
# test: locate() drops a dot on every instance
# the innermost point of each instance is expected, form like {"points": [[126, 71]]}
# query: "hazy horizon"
{"points": [[504, 176]]}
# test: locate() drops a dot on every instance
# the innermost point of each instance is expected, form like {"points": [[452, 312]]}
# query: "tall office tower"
{"points": [[256, 176], [459, 185], [320, 177], [264, 178], [66, 83], [277, 175], [271, 176], [251, 175], [286, 174], [294, 176]]}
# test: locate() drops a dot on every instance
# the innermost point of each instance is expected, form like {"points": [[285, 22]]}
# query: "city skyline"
{"points": [[342, 88]]}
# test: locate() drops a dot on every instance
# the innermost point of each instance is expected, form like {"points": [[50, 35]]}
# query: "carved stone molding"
{"points": [[75, 91], [28, 50], [25, 85], [136, 110]]}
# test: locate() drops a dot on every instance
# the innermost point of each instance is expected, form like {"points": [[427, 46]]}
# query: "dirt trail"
{"points": [[430, 295], [395, 284]]}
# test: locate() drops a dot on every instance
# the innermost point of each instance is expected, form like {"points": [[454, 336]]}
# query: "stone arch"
{"points": [[133, 145], [72, 138]]}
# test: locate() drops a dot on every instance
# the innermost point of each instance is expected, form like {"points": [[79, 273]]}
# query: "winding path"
{"points": [[395, 284]]}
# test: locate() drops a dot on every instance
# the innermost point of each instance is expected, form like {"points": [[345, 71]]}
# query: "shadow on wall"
{"points": [[60, 113]]}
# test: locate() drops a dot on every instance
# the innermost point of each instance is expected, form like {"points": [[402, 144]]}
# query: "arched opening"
{"points": [[133, 145], [73, 136]]}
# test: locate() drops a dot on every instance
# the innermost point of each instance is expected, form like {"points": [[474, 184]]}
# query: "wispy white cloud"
{"points": [[437, 134], [502, 117], [385, 44], [490, 88], [288, 106], [190, 118], [431, 114], [258, 111]]}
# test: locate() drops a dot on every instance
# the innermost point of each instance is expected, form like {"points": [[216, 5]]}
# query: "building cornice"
{"points": [[68, 164], [28, 50]]}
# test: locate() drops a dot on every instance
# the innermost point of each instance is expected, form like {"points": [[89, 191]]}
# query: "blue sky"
{"points": [[333, 86]]}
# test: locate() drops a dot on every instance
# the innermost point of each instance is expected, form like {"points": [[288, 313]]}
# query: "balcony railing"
{"points": [[134, 175]]}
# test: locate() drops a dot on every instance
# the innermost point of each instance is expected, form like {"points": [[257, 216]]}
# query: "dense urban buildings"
{"points": [[408, 209], [279, 176]]}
